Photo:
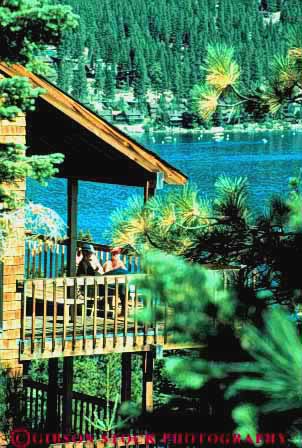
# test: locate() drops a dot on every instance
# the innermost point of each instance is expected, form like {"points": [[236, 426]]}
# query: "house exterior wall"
{"points": [[12, 263]]}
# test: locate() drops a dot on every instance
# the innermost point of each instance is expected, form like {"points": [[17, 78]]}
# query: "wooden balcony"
{"points": [[75, 316], [85, 316]]}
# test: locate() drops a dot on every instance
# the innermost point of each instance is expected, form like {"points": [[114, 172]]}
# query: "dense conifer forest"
{"points": [[156, 49]]}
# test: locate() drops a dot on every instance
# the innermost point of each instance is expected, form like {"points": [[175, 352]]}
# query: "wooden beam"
{"points": [[126, 377], [52, 424], [148, 365], [67, 395], [72, 211]]}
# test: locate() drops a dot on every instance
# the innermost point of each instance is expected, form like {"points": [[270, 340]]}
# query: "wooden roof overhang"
{"points": [[94, 149]]}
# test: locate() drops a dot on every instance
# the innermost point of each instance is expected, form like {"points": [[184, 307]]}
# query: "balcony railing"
{"points": [[75, 316], [48, 259], [84, 408]]}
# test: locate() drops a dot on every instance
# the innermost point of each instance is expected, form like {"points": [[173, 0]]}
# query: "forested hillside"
{"points": [[157, 46]]}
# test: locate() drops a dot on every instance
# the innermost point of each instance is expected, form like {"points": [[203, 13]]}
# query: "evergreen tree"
{"points": [[156, 77], [161, 33], [99, 77], [65, 75], [79, 84], [109, 84], [141, 80], [38, 26]]}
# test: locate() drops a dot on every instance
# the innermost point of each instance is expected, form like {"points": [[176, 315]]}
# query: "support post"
{"points": [[72, 210], [67, 394], [149, 189], [148, 365], [126, 377], [72, 207], [52, 424]]}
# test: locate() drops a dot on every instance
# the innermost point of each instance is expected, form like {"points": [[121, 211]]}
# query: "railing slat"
{"points": [[34, 260], [33, 320], [105, 311], [62, 260], [23, 322], [95, 312], [126, 310], [51, 261], [135, 317], [65, 314], [39, 260], [54, 324], [85, 314], [28, 260], [44, 314], [115, 312], [45, 259], [37, 408], [74, 334]]}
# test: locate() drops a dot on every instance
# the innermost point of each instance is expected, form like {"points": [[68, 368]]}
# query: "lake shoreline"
{"points": [[218, 130]]}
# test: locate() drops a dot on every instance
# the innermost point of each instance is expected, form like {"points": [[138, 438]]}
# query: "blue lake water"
{"points": [[268, 160]]}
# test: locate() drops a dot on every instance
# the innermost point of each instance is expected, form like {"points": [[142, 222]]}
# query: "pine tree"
{"points": [[141, 80], [99, 77], [79, 84], [109, 84]]}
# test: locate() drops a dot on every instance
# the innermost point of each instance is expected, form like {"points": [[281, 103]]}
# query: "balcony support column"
{"points": [[67, 394], [72, 212], [52, 423], [149, 189], [148, 366]]}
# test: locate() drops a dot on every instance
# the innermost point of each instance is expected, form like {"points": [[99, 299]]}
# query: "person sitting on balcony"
{"points": [[89, 264], [115, 266]]}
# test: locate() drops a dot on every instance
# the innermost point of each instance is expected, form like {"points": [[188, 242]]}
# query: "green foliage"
{"points": [[221, 69], [17, 96], [222, 89], [277, 367], [245, 416], [232, 199], [11, 396], [170, 279], [154, 47], [14, 165], [85, 235], [3, 406], [90, 375], [175, 222], [295, 203], [28, 25]]}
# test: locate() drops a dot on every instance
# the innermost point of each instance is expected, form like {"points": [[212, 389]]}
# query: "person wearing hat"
{"points": [[89, 264], [115, 263], [115, 266]]}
